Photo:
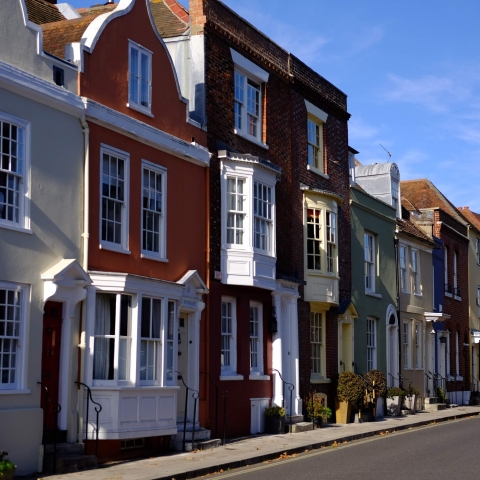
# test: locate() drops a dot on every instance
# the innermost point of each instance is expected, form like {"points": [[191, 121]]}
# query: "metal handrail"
{"points": [[401, 379], [98, 409], [195, 396], [393, 378], [58, 408], [291, 387], [443, 384], [475, 383], [216, 401], [427, 390]]}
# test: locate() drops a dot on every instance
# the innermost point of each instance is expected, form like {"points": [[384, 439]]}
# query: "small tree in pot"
{"points": [[317, 409], [275, 420], [411, 394], [377, 388], [350, 390], [394, 398]]}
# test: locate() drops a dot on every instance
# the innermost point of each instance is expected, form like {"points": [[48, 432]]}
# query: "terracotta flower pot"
{"points": [[343, 412]]}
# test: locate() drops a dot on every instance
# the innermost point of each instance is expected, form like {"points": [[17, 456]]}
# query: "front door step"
{"points": [[295, 419], [298, 427]]}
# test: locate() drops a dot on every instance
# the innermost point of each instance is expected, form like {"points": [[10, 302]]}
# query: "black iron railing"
{"points": [[57, 409], [439, 381], [474, 384], [393, 379], [98, 409], [291, 387], [401, 379], [427, 389], [195, 395], [216, 402]]}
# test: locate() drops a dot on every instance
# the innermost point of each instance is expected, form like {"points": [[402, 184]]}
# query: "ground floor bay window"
{"points": [[132, 327]]}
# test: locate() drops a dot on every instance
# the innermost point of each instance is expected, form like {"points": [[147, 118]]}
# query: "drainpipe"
{"points": [[85, 235]]}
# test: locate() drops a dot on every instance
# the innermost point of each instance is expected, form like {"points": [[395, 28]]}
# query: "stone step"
{"points": [[435, 407], [208, 444], [429, 400], [200, 434], [295, 419], [408, 412], [69, 448], [298, 427], [70, 463]]}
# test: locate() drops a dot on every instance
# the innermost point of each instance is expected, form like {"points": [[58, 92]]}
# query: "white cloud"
{"points": [[360, 130]]}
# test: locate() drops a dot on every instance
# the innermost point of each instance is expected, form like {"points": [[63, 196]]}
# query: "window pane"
{"points": [[146, 311]]}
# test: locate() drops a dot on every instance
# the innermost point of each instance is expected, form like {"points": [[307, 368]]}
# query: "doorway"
{"points": [[183, 367], [52, 330]]}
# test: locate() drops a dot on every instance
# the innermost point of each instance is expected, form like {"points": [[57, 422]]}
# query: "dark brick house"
{"points": [[434, 213], [279, 253]]}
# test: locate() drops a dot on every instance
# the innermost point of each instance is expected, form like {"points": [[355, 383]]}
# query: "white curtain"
{"points": [[101, 354]]}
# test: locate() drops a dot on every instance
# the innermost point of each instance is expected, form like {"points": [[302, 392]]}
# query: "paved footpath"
{"points": [[258, 449]]}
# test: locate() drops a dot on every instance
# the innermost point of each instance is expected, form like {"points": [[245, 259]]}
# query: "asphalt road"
{"points": [[448, 450]]}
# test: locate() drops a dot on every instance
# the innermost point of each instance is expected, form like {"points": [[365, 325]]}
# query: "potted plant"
{"points": [[441, 395], [275, 420], [350, 390], [394, 398], [316, 409], [378, 388], [410, 397], [7, 468]]}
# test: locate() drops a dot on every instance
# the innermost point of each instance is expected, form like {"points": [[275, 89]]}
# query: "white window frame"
{"points": [[331, 255], [316, 240], [137, 105], [263, 209], [247, 84], [121, 247], [415, 271], [370, 261], [231, 369], [315, 145], [256, 339], [477, 250], [403, 268], [445, 271], [319, 118], [116, 336], [157, 170], [21, 347], [237, 214], [371, 343], [155, 341], [406, 343], [318, 359], [418, 346], [23, 224], [455, 275], [249, 71], [250, 175]]}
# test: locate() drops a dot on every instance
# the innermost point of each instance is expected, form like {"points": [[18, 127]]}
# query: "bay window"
{"points": [[236, 210], [262, 211], [150, 338], [314, 239]]}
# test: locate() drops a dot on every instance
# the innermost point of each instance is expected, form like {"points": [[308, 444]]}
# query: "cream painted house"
{"points": [[41, 196]]}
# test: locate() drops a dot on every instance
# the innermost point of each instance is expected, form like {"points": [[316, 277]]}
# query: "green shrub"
{"points": [[6, 466], [275, 411], [395, 392], [378, 381], [350, 387], [411, 391]]}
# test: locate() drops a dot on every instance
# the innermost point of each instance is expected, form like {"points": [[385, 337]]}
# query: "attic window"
{"points": [[58, 76]]}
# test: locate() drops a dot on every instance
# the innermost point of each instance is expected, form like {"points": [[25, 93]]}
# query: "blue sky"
{"points": [[411, 71]]}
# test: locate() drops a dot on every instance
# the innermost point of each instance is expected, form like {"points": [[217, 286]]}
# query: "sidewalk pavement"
{"points": [[259, 448]]}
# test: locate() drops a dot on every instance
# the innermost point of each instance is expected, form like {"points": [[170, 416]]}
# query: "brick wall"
{"points": [[457, 309], [285, 131]]}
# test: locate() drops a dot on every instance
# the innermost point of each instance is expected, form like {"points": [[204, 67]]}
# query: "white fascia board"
{"points": [[137, 130], [316, 112], [39, 90], [250, 67]]}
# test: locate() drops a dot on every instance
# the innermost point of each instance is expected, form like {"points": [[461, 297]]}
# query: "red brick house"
{"points": [[434, 213], [279, 211], [145, 233]]}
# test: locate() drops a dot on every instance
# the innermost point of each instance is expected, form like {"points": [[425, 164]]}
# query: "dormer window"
{"points": [[140, 78]]}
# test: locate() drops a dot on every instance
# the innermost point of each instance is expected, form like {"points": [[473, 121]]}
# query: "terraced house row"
{"points": [[186, 237]]}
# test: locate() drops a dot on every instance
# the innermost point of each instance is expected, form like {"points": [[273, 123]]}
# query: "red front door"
{"points": [[52, 326]]}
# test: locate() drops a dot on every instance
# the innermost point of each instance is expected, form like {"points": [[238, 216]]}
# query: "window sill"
{"points": [[250, 138], [318, 273], [114, 248], [22, 391], [317, 171], [259, 377], [420, 295], [231, 377], [450, 378], [145, 111], [373, 294], [449, 295], [406, 292], [14, 228], [459, 378], [320, 380], [153, 257], [459, 299]]}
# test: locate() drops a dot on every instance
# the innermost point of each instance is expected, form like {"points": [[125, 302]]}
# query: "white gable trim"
{"points": [[137, 130], [316, 112], [250, 67]]}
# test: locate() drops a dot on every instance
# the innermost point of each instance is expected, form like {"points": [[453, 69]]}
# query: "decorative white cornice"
{"points": [[39, 90], [147, 134]]}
